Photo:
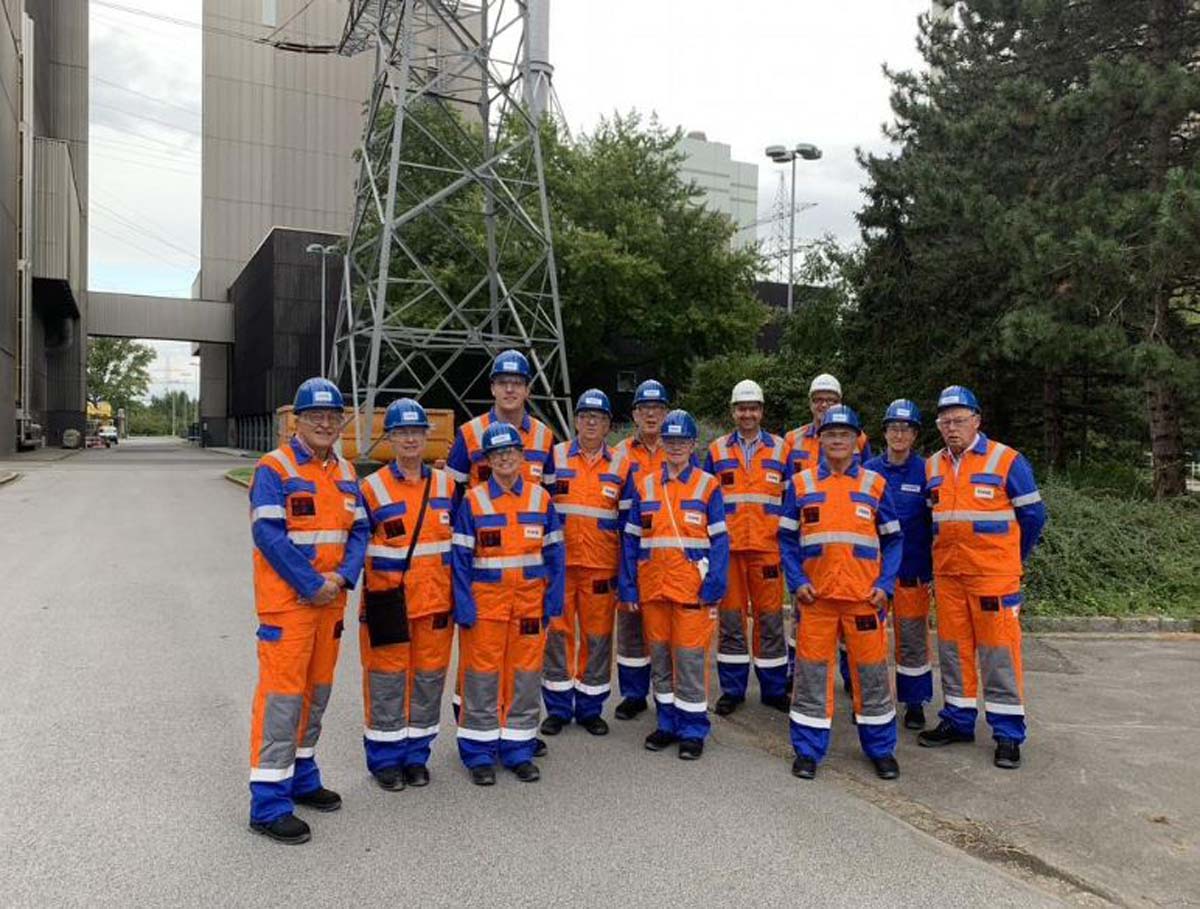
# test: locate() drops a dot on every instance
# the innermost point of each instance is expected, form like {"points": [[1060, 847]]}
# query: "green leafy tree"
{"points": [[117, 370]]}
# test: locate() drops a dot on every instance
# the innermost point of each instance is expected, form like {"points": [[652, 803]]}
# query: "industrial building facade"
{"points": [[728, 186], [43, 219]]}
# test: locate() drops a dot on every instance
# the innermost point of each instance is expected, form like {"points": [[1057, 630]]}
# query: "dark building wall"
{"points": [[277, 320]]}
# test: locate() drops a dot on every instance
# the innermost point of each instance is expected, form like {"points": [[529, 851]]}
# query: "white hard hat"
{"points": [[747, 391], [825, 382]]}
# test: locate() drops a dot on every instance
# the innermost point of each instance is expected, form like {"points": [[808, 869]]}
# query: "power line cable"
{"points": [[130, 113], [134, 91], [137, 228], [142, 218]]}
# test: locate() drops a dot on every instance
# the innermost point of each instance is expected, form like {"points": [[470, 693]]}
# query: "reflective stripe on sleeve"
{"points": [[463, 539], [717, 528], [889, 527], [554, 536], [1028, 499], [268, 513], [789, 524]]}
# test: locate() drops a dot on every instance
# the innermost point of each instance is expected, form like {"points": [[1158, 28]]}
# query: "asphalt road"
{"points": [[126, 670]]}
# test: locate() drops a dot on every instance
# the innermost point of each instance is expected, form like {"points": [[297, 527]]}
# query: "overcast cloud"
{"points": [[749, 74]]}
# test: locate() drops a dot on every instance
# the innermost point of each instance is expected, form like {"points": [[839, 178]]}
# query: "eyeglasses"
{"points": [[953, 422], [591, 416], [411, 432], [901, 429], [321, 418]]}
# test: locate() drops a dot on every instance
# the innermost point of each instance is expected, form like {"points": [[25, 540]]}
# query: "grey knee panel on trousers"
{"points": [[554, 660], [914, 642], [999, 676], [631, 637], [689, 674], [768, 627], [526, 706], [660, 668], [480, 708], [599, 661], [281, 718], [386, 691], [875, 681], [811, 687], [320, 700], [425, 703], [951, 663], [732, 637]]}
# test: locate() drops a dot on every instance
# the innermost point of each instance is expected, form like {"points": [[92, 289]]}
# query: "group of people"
{"points": [[542, 553]]}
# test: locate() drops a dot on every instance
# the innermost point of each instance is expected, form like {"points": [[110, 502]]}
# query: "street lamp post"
{"points": [[781, 154], [323, 252]]}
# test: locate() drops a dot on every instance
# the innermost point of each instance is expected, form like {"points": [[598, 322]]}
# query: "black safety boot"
{"points": [[320, 800], [539, 748], [944, 734], [483, 776], [390, 778], [805, 768], [780, 702], [595, 725], [416, 775], [914, 717], [658, 740], [1008, 755], [886, 767], [727, 704], [553, 725], [288, 829], [629, 708], [691, 749], [527, 772]]}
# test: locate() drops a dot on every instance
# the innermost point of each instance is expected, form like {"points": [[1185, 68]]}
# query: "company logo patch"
{"points": [[693, 517], [650, 393], [985, 492], [674, 430], [323, 397], [502, 438], [509, 366], [409, 416], [443, 517], [609, 492], [533, 533], [903, 412], [535, 470], [951, 399], [910, 487], [773, 477], [863, 511], [592, 402]]}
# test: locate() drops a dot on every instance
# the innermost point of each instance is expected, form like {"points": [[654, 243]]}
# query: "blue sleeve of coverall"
{"points": [[717, 579], [458, 462], [554, 558], [631, 544], [866, 452], [1027, 503], [356, 546], [789, 541], [549, 469], [270, 535], [462, 554], [891, 543], [708, 462]]}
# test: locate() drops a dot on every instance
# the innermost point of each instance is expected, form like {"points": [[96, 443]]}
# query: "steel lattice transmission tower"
{"points": [[450, 258]]}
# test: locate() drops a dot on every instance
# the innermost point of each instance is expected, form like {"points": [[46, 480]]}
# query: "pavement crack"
{"points": [[971, 837]]}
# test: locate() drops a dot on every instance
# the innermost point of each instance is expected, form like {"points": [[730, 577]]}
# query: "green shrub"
{"points": [[784, 387], [1105, 554]]}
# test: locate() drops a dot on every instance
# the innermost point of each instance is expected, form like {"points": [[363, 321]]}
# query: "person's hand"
{"points": [[879, 600], [805, 593], [326, 594], [335, 578], [630, 607]]}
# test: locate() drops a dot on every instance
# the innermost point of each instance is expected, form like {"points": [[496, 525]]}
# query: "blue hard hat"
{"points": [[678, 424], [651, 392], [404, 413], [902, 410], [511, 363], [500, 436], [318, 394], [840, 415], [593, 399], [957, 396]]}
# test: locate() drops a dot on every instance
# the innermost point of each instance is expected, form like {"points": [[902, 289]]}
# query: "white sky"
{"points": [[751, 74]]}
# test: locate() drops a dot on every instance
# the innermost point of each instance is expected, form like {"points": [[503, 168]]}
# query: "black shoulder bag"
{"points": [[386, 611]]}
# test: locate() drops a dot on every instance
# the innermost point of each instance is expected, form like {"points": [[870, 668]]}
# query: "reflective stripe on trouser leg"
{"points": [[956, 655], [520, 704], [326, 643], [874, 705], [914, 673], [593, 668], [769, 644], [633, 659], [385, 698], [656, 616], [733, 653], [691, 640], [998, 640], [482, 659], [812, 695], [432, 639]]}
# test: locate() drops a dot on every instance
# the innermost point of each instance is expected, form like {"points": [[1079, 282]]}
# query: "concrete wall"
{"points": [[10, 101], [730, 187]]}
